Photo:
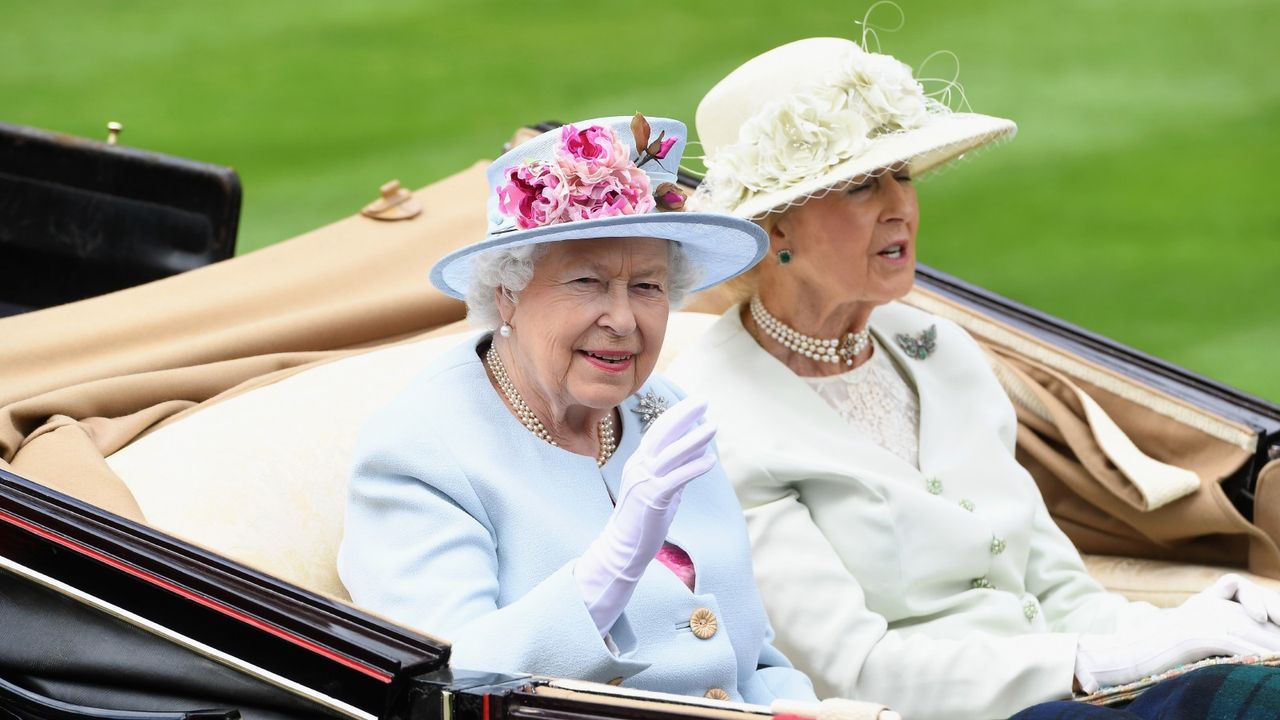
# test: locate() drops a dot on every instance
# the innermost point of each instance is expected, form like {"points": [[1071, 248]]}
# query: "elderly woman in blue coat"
{"points": [[536, 496]]}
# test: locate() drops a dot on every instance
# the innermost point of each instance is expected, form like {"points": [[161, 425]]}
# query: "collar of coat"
{"points": [[954, 385]]}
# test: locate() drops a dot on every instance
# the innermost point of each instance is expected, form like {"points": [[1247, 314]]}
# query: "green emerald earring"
{"points": [[784, 257]]}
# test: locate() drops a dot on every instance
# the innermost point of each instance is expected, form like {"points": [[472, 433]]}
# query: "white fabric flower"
{"points": [[804, 135], [883, 90]]}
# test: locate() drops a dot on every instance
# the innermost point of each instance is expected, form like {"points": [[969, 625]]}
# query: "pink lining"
{"points": [[678, 562]]}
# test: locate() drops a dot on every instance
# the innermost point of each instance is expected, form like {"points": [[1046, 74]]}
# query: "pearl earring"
{"points": [[784, 256], [505, 330]]}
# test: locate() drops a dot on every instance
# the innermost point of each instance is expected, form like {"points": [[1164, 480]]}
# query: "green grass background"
{"points": [[1138, 199]]}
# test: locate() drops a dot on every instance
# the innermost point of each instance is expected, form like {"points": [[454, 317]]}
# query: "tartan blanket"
{"points": [[1218, 691]]}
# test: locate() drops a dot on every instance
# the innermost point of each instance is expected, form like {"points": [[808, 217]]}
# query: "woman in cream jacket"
{"points": [[902, 552]]}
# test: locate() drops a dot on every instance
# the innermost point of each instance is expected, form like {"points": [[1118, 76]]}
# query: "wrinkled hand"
{"points": [[1259, 603], [673, 452], [1202, 627]]}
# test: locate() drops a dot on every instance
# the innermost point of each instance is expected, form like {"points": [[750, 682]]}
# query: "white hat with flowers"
{"points": [[608, 177], [832, 112]]}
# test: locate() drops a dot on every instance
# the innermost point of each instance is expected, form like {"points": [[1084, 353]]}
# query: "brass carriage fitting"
{"points": [[395, 203], [113, 132]]}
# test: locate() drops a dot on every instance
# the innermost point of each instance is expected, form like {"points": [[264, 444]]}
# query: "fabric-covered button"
{"points": [[981, 583], [997, 545], [1030, 610], [967, 504], [703, 623], [616, 681], [716, 694], [933, 485]]}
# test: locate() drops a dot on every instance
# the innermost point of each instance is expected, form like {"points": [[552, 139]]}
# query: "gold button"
{"points": [[616, 681], [716, 694], [703, 623]]}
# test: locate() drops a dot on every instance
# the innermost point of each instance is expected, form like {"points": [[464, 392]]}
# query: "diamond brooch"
{"points": [[651, 406]]}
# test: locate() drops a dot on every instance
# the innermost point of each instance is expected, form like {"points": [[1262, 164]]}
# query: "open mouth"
{"points": [[608, 361], [895, 251]]}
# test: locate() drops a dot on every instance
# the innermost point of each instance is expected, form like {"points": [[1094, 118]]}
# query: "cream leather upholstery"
{"points": [[261, 477], [1163, 584]]}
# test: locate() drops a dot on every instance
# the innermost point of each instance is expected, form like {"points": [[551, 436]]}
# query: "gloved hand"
{"points": [[1202, 627], [831, 709], [673, 451], [1258, 602]]}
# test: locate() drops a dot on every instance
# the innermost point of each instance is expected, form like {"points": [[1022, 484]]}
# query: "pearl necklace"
{"points": [[832, 350], [608, 441]]}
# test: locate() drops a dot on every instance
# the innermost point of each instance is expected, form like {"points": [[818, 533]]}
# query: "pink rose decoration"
{"points": [[625, 192], [589, 155], [535, 194], [593, 176]]}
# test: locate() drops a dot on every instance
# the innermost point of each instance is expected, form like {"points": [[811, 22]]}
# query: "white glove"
{"points": [[1258, 602], [832, 709], [1202, 627], [673, 451]]}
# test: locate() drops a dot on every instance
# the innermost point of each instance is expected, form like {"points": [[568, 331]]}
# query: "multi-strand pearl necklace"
{"points": [[608, 441], [832, 350]]}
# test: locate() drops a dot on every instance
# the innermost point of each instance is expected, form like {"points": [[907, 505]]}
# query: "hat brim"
{"points": [[943, 139], [720, 246]]}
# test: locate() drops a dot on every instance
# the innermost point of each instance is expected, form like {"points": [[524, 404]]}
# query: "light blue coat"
{"points": [[463, 524]]}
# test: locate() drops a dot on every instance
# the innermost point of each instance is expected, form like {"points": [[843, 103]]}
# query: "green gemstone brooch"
{"points": [[921, 345]]}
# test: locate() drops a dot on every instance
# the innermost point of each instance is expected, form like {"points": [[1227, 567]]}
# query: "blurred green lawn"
{"points": [[1136, 201]]}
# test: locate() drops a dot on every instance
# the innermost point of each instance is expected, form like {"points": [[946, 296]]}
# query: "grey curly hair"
{"points": [[512, 268]]}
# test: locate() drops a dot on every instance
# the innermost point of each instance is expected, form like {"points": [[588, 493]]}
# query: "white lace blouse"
{"points": [[877, 400]]}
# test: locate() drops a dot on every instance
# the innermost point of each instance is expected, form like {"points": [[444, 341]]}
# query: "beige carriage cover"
{"points": [[81, 381]]}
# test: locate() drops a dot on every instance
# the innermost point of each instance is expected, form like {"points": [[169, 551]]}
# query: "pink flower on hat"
{"points": [[663, 148], [624, 192], [592, 176], [591, 154], [535, 194]]}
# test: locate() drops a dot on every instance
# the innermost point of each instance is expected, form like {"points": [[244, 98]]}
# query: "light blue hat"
{"points": [[589, 180]]}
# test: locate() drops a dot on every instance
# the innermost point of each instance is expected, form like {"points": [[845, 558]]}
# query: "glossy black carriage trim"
{"points": [[22, 704], [320, 643], [84, 217]]}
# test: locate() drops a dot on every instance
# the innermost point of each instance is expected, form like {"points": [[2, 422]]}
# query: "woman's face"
{"points": [[588, 328], [853, 245]]}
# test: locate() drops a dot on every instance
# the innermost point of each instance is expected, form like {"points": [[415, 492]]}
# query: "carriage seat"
{"points": [[263, 474]]}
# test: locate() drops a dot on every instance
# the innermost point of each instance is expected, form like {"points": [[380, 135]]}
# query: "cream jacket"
{"points": [[945, 591]]}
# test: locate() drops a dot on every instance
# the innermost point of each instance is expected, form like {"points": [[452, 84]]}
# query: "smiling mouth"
{"points": [[894, 251], [609, 359]]}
